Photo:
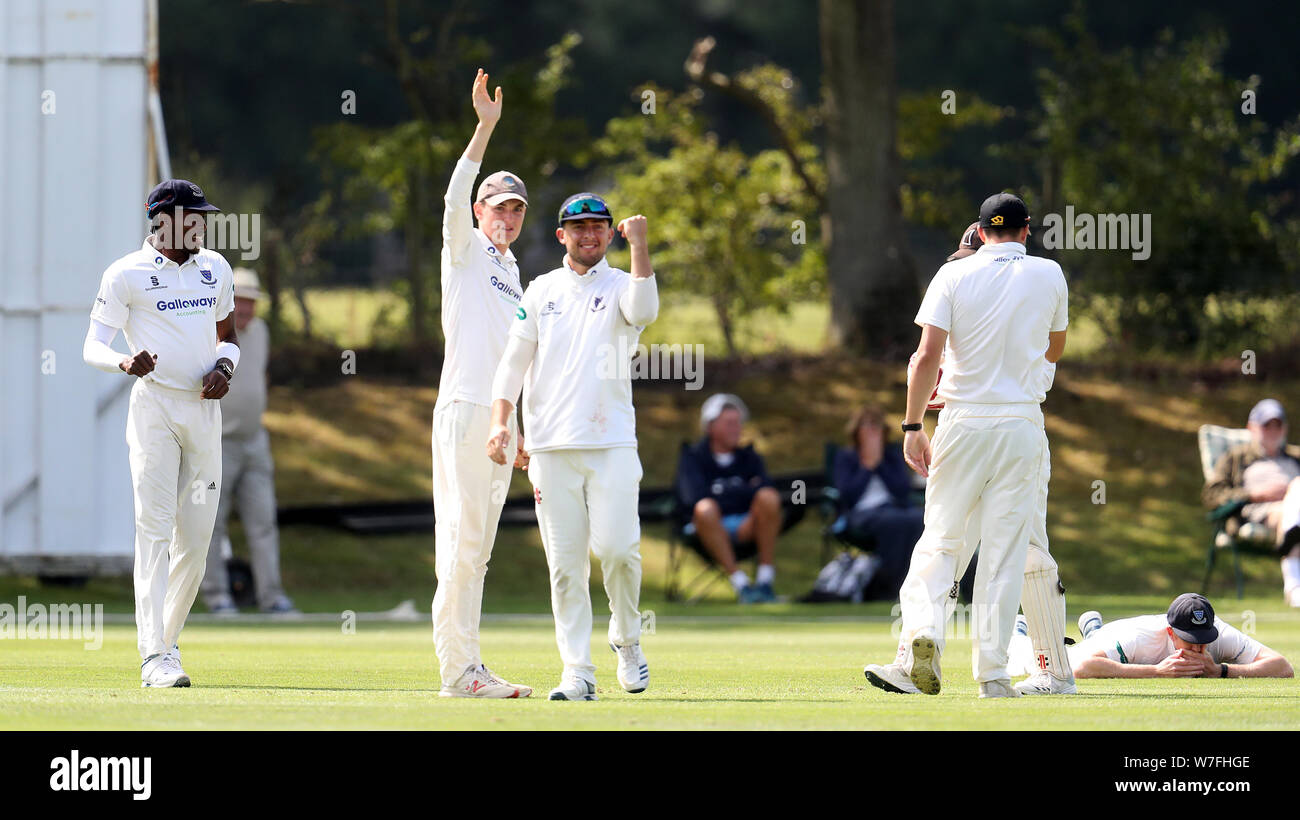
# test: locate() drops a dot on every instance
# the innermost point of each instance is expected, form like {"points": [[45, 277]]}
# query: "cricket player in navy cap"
{"points": [[1187, 641], [173, 300]]}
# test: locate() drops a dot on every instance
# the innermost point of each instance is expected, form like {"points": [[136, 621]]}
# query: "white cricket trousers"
{"points": [[174, 441], [986, 460], [586, 500], [469, 490]]}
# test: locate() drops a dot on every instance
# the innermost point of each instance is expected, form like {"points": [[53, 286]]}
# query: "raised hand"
{"points": [[488, 109]]}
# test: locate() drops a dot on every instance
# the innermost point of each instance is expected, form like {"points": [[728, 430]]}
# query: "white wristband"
{"points": [[226, 350]]}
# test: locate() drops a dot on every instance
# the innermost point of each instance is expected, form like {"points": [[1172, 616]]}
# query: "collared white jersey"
{"points": [[480, 297], [578, 390], [998, 306], [169, 310], [1143, 640]]}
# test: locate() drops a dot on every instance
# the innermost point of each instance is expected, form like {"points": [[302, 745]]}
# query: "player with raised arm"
{"points": [[480, 295], [582, 432], [174, 302]]}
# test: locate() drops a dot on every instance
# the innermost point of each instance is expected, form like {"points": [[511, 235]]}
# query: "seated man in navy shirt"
{"points": [[731, 499], [875, 488]]}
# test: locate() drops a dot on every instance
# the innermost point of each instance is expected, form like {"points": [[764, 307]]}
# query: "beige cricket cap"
{"points": [[502, 186]]}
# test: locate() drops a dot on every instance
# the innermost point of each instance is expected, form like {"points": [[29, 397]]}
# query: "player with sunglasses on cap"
{"points": [[582, 432]]}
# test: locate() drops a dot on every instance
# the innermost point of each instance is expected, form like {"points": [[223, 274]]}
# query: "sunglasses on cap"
{"points": [[588, 206]]}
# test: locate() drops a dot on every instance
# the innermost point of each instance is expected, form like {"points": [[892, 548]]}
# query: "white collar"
{"points": [[1002, 247], [592, 273], [490, 246], [160, 261]]}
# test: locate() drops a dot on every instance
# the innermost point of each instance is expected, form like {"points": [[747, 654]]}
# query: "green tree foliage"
{"points": [[738, 228], [391, 179], [1162, 132]]}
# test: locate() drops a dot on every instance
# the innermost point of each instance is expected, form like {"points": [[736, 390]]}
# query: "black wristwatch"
{"points": [[226, 370], [910, 428], [1223, 667]]}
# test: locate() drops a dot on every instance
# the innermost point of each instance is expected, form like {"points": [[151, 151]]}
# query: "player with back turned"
{"points": [[998, 312], [174, 301]]}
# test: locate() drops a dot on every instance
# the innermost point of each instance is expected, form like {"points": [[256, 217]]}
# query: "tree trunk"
{"points": [[871, 272]]}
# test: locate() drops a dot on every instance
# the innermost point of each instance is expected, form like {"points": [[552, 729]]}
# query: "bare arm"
{"points": [[1055, 346], [1100, 666], [916, 444], [1267, 664]]}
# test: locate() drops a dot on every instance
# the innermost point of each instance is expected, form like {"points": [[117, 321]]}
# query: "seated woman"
{"points": [[874, 488]]}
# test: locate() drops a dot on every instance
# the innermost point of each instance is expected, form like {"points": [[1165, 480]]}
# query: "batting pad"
{"points": [[1043, 602]]}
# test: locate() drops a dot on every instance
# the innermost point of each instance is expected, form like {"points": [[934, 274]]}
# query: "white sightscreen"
{"points": [[73, 178]]}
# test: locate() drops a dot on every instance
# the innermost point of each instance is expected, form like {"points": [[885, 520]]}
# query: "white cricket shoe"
{"points": [[524, 691], [633, 670], [1089, 622], [998, 689], [574, 687], [891, 678], [926, 676], [1045, 683], [478, 682], [162, 672]]}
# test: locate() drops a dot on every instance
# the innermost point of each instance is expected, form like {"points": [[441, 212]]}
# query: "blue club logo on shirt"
{"points": [[598, 304], [207, 277]]}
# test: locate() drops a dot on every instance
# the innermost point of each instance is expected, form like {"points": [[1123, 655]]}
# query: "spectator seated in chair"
{"points": [[1265, 473], [730, 497], [874, 499]]}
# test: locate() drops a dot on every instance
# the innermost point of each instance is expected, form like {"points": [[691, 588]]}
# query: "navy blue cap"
{"points": [[585, 205], [1192, 618], [176, 193]]}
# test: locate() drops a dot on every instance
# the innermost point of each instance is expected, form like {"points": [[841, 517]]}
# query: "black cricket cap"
{"points": [[177, 193], [1192, 618], [1004, 211], [585, 205]]}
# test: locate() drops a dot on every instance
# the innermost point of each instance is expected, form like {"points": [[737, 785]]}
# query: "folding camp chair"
{"points": [[682, 539], [1230, 532]]}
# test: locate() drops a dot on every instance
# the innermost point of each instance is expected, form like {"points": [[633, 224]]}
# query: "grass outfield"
{"points": [[707, 673]]}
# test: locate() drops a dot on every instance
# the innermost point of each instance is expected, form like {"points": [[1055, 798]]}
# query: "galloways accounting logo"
{"points": [[186, 307]]}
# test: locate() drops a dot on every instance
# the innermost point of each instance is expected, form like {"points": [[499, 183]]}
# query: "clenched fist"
{"points": [[141, 364], [634, 229]]}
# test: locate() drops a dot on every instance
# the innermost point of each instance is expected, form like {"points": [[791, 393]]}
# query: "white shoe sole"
{"points": [[923, 676], [1030, 691], [180, 683], [519, 692]]}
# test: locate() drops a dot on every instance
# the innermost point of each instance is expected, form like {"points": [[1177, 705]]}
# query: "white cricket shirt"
{"points": [[578, 390], [169, 310], [242, 407], [1143, 640], [480, 297], [998, 306]]}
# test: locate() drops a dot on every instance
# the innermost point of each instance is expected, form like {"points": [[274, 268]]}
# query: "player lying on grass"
{"points": [[1186, 642]]}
